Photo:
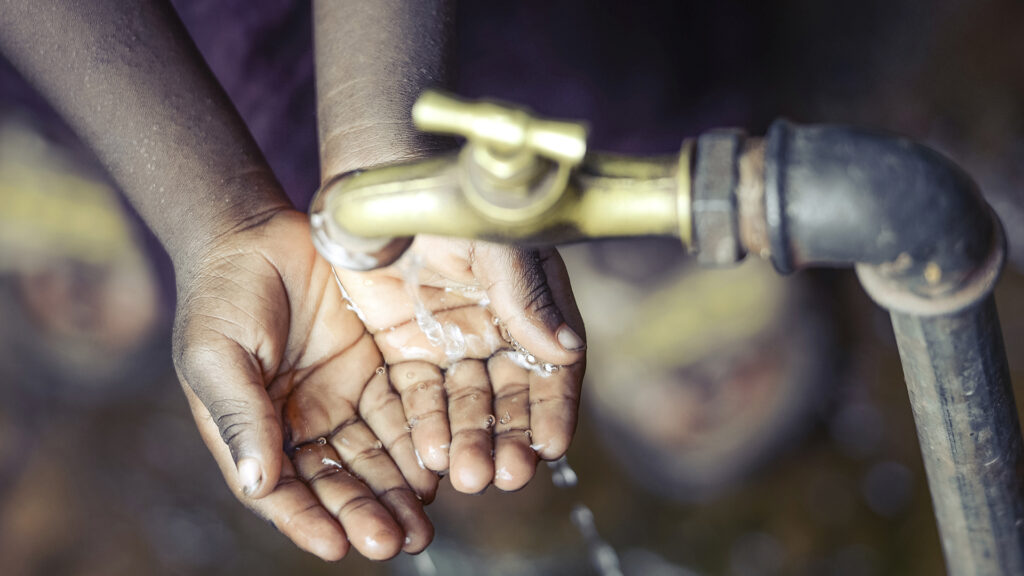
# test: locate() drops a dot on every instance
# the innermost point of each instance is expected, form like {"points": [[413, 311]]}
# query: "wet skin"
{"points": [[270, 358], [486, 399], [270, 355]]}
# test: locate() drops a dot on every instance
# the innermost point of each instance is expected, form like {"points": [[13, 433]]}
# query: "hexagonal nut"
{"points": [[715, 212]]}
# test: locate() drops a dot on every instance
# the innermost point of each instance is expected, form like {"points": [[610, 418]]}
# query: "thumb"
{"points": [[530, 293], [228, 383]]}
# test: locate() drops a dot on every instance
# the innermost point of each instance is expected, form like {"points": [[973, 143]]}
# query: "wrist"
{"points": [[215, 217]]}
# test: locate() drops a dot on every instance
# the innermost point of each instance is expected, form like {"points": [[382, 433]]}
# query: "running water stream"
{"points": [[602, 555]]}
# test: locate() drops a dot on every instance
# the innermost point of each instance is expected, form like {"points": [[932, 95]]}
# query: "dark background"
{"points": [[102, 471]]}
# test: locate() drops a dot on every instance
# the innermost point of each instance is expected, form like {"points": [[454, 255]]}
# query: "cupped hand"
{"points": [[485, 345], [291, 395]]}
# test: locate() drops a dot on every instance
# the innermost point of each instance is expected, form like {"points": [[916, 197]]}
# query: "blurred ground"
{"points": [[785, 447]]}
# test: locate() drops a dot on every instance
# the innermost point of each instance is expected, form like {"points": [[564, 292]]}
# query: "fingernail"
{"points": [[570, 340], [249, 474]]}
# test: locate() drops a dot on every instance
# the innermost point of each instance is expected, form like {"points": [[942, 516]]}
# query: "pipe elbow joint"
{"points": [[911, 220]]}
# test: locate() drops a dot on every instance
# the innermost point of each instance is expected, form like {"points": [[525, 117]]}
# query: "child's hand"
{"points": [[270, 357], [442, 315]]}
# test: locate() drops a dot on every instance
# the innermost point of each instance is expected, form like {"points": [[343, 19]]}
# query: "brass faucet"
{"points": [[518, 179], [925, 244]]}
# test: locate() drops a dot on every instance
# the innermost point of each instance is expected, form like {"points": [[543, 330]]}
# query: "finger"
{"points": [[423, 397], [368, 524], [290, 506], [320, 411], [363, 454], [514, 460], [230, 385], [522, 285], [382, 409], [554, 405], [555, 398], [325, 399], [469, 412]]}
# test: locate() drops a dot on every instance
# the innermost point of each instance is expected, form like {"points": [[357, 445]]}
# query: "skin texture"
{"points": [[265, 351], [366, 86], [461, 410], [272, 358], [282, 378], [128, 79]]}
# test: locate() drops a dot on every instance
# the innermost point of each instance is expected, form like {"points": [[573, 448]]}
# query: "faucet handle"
{"points": [[503, 130]]}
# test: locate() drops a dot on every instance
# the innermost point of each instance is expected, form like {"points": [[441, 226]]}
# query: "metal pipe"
{"points": [[960, 393], [929, 249], [837, 196], [925, 244]]}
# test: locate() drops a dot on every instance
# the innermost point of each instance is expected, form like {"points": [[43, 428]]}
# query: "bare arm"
{"points": [[372, 60], [271, 361], [128, 79]]}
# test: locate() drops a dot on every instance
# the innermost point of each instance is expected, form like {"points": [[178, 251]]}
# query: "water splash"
{"points": [[349, 303], [448, 335], [602, 555], [523, 357], [562, 475], [424, 564]]}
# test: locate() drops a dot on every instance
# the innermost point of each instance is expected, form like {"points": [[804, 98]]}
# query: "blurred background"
{"points": [[734, 422]]}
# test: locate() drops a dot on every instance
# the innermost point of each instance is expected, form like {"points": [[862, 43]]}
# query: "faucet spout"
{"points": [[359, 219], [518, 179]]}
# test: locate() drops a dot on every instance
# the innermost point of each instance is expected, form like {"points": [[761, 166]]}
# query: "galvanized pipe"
{"points": [[929, 249], [967, 424]]}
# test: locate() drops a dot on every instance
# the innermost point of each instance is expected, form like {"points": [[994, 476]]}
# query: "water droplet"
{"points": [[332, 462], [506, 418], [490, 421], [380, 371], [529, 434], [475, 397], [550, 368], [378, 445], [562, 475], [410, 375], [321, 441], [531, 359], [496, 321]]}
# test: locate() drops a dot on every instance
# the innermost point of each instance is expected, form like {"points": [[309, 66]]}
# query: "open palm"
{"points": [[484, 346], [292, 397]]}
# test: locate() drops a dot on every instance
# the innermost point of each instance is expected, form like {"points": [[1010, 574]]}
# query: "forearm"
{"points": [[372, 60], [128, 79]]}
